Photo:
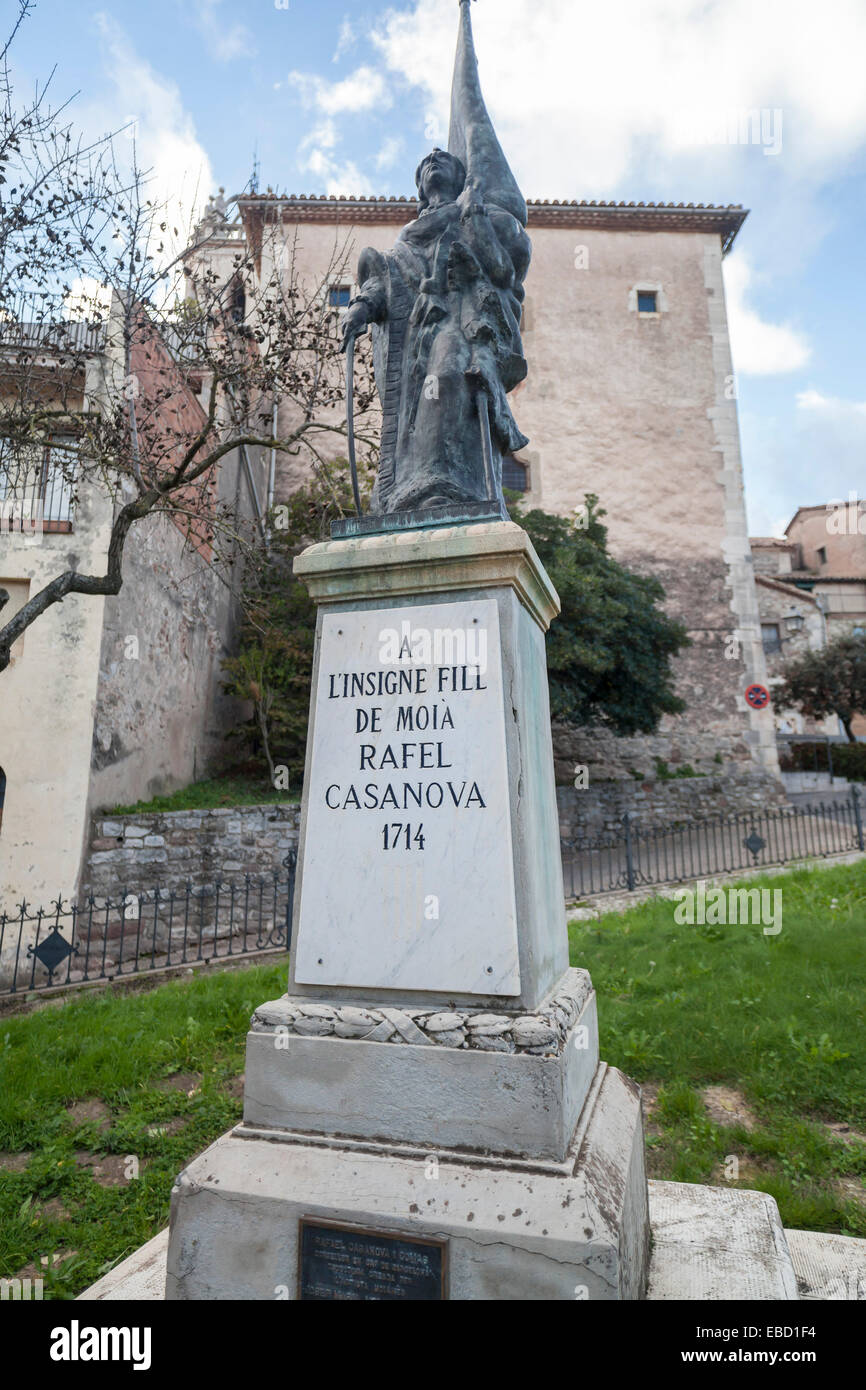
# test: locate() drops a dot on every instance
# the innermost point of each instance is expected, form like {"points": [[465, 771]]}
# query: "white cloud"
{"points": [[224, 40], [166, 143], [345, 40], [389, 152], [362, 90], [811, 453], [758, 348], [582, 94], [830, 406], [317, 156]]}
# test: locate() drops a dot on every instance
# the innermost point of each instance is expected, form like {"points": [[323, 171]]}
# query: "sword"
{"points": [[486, 443], [350, 418]]}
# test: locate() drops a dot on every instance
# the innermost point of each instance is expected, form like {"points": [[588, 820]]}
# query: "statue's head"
{"points": [[442, 173]]}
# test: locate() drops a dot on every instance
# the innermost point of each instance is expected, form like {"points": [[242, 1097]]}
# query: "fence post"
{"points": [[629, 861], [858, 818]]}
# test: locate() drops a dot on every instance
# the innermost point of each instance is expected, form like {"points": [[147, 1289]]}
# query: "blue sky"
{"points": [[633, 99]]}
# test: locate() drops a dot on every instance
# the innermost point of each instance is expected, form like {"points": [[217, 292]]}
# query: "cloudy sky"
{"points": [[632, 99]]}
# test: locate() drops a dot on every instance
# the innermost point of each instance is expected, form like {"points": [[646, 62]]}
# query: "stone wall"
{"points": [[161, 718], [718, 752], [602, 806], [170, 848]]}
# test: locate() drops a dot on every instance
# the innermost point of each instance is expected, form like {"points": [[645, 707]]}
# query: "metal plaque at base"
{"points": [[339, 1263]]}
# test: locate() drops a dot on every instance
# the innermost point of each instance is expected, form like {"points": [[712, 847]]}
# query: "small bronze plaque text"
{"points": [[348, 1263]]}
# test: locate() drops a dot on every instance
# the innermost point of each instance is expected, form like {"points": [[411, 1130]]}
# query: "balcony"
{"points": [[36, 489], [44, 323]]}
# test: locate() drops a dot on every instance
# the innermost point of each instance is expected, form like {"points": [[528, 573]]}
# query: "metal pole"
{"points": [[350, 419], [486, 443], [858, 818], [629, 862]]}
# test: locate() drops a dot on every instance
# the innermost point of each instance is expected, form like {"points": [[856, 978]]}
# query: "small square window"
{"points": [[646, 302], [822, 554], [339, 296]]}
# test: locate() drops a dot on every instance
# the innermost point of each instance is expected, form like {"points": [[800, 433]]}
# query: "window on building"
{"points": [[646, 302], [771, 637], [822, 554], [36, 487], [339, 296], [515, 475], [238, 309]]}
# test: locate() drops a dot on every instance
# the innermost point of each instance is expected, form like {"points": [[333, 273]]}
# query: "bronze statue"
{"points": [[445, 306]]}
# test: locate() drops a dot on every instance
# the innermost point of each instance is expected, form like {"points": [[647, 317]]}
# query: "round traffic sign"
{"points": [[757, 696]]}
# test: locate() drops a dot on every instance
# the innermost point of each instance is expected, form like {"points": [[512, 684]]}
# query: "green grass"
{"points": [[781, 1019], [231, 789], [116, 1047]]}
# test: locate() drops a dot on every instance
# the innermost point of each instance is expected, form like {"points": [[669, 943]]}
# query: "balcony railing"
{"points": [[40, 322], [36, 490]]}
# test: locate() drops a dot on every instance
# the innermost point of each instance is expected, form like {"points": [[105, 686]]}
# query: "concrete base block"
{"points": [[140, 1278], [514, 1230], [441, 1097], [712, 1244], [828, 1266]]}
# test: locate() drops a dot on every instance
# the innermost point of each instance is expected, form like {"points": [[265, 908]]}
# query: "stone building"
{"points": [[630, 395], [811, 587], [108, 700]]}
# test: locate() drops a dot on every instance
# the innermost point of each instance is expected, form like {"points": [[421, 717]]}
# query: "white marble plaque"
{"points": [[407, 878]]}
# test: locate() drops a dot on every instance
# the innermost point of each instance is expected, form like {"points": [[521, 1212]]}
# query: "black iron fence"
{"points": [[136, 933], [635, 855], [835, 756]]}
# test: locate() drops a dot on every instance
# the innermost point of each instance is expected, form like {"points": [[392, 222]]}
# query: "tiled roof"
{"points": [[543, 212], [825, 578]]}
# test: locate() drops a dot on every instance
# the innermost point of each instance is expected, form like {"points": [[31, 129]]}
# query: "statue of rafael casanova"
{"points": [[445, 307]]}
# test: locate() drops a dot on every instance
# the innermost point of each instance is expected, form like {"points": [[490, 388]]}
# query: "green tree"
{"points": [[273, 667], [829, 681], [609, 652]]}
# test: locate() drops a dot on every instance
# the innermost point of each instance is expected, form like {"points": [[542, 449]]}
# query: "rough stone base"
{"points": [[522, 1102], [516, 1230]]}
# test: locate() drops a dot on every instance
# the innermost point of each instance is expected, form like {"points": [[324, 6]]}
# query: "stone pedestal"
{"points": [[425, 1112]]}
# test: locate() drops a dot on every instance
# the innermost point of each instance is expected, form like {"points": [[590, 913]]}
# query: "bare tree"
{"points": [[150, 365]]}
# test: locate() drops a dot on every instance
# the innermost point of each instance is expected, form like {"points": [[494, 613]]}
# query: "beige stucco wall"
{"points": [[47, 701], [841, 531]]}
